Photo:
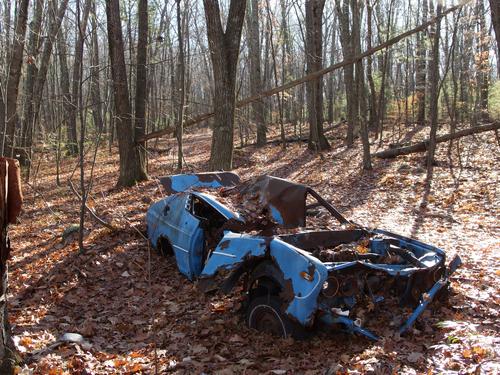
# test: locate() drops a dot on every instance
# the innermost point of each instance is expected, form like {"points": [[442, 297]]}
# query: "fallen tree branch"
{"points": [[296, 138], [422, 146], [90, 211], [309, 77]]}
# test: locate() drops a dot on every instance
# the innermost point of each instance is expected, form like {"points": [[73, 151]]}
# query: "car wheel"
{"points": [[264, 315]]}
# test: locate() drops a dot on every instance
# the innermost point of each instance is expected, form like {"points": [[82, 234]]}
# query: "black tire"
{"points": [[264, 315]]}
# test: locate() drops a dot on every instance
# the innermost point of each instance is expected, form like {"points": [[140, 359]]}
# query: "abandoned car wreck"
{"points": [[303, 264]]}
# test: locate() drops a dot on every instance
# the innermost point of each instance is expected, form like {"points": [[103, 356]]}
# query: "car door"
{"points": [[184, 232]]}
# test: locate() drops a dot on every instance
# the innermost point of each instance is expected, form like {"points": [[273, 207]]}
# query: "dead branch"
{"points": [[296, 138], [310, 76], [90, 211], [422, 146]]}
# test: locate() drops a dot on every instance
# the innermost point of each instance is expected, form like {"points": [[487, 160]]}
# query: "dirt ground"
{"points": [[138, 314]]}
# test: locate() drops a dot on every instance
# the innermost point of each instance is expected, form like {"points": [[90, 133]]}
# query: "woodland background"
{"points": [[97, 98]]}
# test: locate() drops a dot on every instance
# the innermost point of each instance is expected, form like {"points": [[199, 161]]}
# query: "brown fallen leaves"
{"points": [[142, 317]]}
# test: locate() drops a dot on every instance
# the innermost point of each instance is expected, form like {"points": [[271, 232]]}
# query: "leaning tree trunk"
{"points": [[314, 58], [10, 206], [224, 51], [132, 168], [424, 146]]}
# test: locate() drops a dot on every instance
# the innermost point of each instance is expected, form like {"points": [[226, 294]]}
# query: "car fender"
{"points": [[304, 276]]}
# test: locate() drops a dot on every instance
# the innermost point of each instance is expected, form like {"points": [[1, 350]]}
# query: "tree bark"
{"points": [[8, 141], [10, 205], [255, 69], [31, 72], [348, 52], [95, 89], [421, 68], [314, 59], [423, 146], [482, 58], [141, 85], [224, 52], [41, 76], [495, 20], [373, 119], [131, 166], [75, 84], [181, 88], [434, 96]]}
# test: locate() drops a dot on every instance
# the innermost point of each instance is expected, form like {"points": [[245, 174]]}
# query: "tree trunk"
{"points": [[255, 69], [95, 90], [421, 68], [360, 84], [10, 206], [132, 169], [423, 146], [482, 58], [434, 97], [17, 50], [495, 20], [55, 24], [75, 84], [314, 59], [373, 120], [224, 51], [65, 85], [31, 72], [141, 85], [181, 88], [348, 52]]}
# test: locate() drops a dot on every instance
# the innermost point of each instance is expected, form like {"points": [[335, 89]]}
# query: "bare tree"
{"points": [[181, 88], [141, 85], [314, 57], [16, 60], [495, 20], [255, 68], [132, 166], [95, 89], [434, 96], [421, 69], [224, 51]]}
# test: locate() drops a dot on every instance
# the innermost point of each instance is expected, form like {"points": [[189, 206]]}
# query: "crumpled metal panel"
{"points": [[306, 275], [300, 294], [286, 200], [183, 182], [232, 251]]}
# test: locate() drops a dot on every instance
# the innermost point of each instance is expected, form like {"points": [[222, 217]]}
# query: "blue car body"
{"points": [[211, 245]]}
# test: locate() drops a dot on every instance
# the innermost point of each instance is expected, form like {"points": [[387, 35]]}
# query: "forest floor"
{"points": [[138, 313]]}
